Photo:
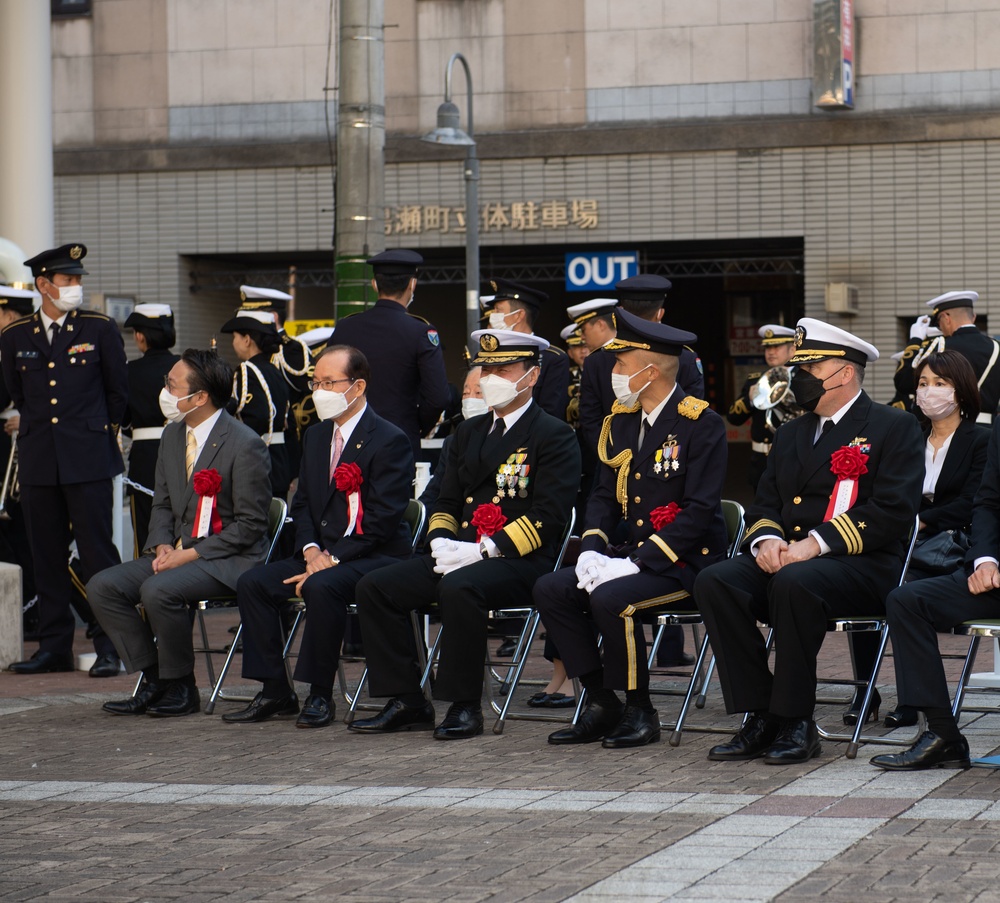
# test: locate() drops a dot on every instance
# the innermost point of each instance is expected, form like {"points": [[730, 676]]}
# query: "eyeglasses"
{"points": [[326, 384]]}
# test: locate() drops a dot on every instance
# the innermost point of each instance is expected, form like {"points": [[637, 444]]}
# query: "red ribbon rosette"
{"points": [[207, 520], [848, 463], [488, 519], [665, 514], [348, 479]]}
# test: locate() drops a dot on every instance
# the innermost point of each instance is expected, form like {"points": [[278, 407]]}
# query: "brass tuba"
{"points": [[774, 395], [10, 491]]}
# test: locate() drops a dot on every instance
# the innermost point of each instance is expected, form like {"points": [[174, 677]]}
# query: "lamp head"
{"points": [[448, 131]]}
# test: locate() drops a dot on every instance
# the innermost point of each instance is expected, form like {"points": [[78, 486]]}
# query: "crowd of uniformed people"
{"points": [[614, 428]]}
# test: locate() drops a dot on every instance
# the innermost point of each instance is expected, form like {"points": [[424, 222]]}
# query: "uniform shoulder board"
{"points": [[418, 317], [94, 315], [691, 407], [618, 408], [348, 316], [20, 322], [555, 349]]}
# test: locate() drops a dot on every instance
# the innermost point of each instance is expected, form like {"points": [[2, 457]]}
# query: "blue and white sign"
{"points": [[597, 271]]}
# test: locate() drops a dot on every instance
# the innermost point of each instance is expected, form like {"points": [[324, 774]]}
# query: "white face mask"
{"points": [[331, 404], [499, 392], [70, 298], [168, 405], [621, 386], [498, 320], [937, 402], [473, 407]]}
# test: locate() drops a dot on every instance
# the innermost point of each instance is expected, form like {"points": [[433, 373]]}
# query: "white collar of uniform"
{"points": [[838, 416], [348, 426], [510, 419], [652, 415], [203, 429], [47, 321]]}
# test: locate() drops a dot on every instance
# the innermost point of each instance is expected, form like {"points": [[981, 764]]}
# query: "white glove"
{"points": [[587, 566], [456, 556], [612, 570], [919, 328], [440, 543]]}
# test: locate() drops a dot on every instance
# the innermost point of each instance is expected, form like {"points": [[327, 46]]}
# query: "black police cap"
{"points": [[398, 262], [66, 259], [633, 334], [505, 290], [643, 288]]}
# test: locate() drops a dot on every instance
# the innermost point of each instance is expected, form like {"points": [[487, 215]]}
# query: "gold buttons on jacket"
{"points": [[53, 401], [796, 529], [55, 419], [52, 382], [797, 500], [496, 500], [638, 523], [51, 364], [637, 476], [465, 523], [468, 501], [637, 500]]}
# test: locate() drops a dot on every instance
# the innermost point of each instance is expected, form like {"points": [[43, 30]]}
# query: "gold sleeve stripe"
{"points": [[663, 547], [524, 542], [852, 538], [530, 531], [595, 532], [764, 523], [442, 521]]}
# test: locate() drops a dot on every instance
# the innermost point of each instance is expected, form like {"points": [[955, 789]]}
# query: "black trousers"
{"points": [[48, 511], [917, 611], [387, 596], [797, 602], [262, 596], [616, 608]]}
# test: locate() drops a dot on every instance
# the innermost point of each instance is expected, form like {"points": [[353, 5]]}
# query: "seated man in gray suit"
{"points": [[208, 526]]}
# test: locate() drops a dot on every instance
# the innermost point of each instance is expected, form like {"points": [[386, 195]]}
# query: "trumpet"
{"points": [[774, 395], [10, 491]]}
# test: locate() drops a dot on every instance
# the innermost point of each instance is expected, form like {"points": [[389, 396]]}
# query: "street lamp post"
{"points": [[449, 133]]}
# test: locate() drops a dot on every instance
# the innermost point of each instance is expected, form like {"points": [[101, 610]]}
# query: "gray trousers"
{"points": [[166, 599]]}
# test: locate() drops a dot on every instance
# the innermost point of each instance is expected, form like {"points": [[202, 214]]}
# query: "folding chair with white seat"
{"points": [[976, 630], [277, 514]]}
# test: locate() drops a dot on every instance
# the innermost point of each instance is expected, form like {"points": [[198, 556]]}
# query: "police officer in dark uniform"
{"points": [[409, 386], [260, 394], [509, 483], [293, 360], [653, 522], [65, 369], [154, 334], [515, 306], [779, 345], [954, 314]]}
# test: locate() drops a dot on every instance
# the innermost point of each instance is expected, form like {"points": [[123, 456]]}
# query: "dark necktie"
{"points": [[826, 428], [54, 327], [642, 433], [493, 439]]}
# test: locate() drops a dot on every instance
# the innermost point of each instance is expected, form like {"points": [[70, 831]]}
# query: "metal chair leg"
{"points": [[675, 736], [513, 681], [963, 681]]}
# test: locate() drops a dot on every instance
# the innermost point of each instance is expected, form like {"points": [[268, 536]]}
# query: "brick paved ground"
{"points": [[120, 809]]}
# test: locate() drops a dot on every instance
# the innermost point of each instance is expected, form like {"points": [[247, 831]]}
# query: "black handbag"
{"points": [[942, 553]]}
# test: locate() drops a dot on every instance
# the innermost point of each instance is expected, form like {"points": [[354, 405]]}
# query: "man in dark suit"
{"points": [[65, 370], [515, 306], [825, 540], [209, 525], [953, 313], [409, 386], [154, 333], [653, 522], [509, 483], [343, 530]]}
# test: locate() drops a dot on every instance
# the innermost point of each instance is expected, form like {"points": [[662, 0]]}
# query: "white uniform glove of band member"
{"points": [[450, 555], [587, 566], [919, 328], [612, 569]]}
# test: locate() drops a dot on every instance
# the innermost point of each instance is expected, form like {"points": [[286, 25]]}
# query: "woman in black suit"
{"points": [[955, 454]]}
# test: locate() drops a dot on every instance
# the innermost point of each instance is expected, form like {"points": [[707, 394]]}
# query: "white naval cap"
{"points": [[586, 310], [571, 334], [501, 346], [817, 341], [316, 336], [486, 302], [773, 334], [152, 311], [952, 299], [253, 292]]}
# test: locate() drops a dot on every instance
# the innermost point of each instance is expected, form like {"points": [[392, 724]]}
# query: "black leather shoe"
{"points": [[751, 741], [637, 728], [107, 665], [397, 717], [851, 715], [263, 708], [463, 720], [45, 663], [146, 695], [178, 699], [507, 648], [797, 741], [551, 701], [901, 716], [930, 751], [316, 712], [596, 721]]}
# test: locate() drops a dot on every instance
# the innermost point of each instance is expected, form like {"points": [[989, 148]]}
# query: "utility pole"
{"points": [[360, 200]]}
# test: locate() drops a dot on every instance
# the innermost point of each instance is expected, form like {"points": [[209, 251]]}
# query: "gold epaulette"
{"points": [[618, 408], [691, 407]]}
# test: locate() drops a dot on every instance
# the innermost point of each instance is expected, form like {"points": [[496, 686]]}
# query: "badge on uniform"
{"points": [[433, 337], [513, 476], [85, 346], [30, 354], [862, 444], [666, 456]]}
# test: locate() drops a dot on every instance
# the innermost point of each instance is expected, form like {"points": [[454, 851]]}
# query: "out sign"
{"points": [[599, 271]]}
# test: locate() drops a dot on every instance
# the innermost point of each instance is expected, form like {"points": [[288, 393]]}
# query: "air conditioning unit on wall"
{"points": [[842, 298]]}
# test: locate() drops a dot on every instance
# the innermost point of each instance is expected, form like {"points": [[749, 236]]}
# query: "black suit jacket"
{"points": [[551, 392], [71, 396], [961, 474], [794, 493], [682, 460], [539, 449], [985, 536], [320, 510]]}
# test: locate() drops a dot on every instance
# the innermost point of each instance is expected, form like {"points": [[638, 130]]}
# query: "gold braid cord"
{"points": [[623, 460]]}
